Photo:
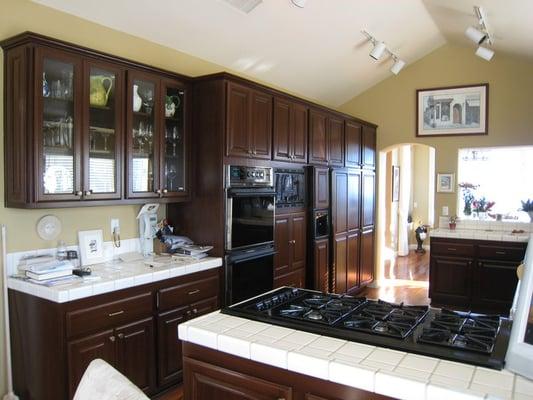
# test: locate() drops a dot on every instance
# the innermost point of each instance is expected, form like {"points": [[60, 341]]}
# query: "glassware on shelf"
{"points": [[68, 78], [46, 87], [57, 89], [171, 176]]}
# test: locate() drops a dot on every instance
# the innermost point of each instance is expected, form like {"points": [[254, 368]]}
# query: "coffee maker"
{"points": [[147, 228]]}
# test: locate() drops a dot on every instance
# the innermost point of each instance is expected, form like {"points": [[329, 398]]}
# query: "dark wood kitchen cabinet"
{"points": [[290, 131], [368, 199], [474, 274], [350, 258], [73, 137], [326, 139], [368, 147], [353, 138], [210, 374], [321, 265], [290, 243], [134, 329], [249, 122]]}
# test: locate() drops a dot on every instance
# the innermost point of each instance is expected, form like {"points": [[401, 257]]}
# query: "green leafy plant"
{"points": [[527, 205]]}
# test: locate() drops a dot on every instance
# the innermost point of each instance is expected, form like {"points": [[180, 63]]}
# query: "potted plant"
{"points": [[453, 222], [527, 206], [482, 206], [467, 190]]}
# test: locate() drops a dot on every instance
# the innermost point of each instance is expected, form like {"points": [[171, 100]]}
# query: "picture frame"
{"points": [[395, 183], [519, 357], [91, 245], [452, 111], [445, 183]]}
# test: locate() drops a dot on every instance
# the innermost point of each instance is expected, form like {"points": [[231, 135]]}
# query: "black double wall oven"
{"points": [[249, 242]]}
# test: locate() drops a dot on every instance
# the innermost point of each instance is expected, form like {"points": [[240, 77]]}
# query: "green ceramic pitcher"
{"points": [[98, 93]]}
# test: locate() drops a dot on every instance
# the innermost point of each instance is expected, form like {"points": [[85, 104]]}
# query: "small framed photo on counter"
{"points": [[91, 247], [445, 183], [519, 356]]}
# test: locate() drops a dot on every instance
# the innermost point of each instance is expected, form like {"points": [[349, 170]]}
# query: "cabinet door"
{"points": [[58, 125], [352, 133], [294, 278], [102, 139], [174, 145], [339, 200], [321, 188], [283, 243], [238, 138], [261, 125], [494, 286], [81, 352], [206, 381], [366, 274], [321, 267], [352, 261], [298, 236], [318, 140], [135, 353], [368, 198], [339, 263], [142, 140], [169, 365], [450, 280], [369, 147], [336, 141], [299, 132], [354, 200], [282, 130]]}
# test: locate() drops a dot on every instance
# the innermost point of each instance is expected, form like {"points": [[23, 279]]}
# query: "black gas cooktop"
{"points": [[459, 336]]}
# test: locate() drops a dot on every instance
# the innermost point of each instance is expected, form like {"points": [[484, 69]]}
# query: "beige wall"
{"points": [[391, 104]]}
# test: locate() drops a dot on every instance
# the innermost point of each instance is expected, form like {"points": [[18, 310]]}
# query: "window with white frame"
{"points": [[494, 182]]}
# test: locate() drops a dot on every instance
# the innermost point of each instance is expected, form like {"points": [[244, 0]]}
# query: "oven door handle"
{"points": [[229, 220], [250, 255], [250, 193]]}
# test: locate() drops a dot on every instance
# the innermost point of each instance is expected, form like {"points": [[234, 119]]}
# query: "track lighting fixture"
{"points": [[481, 35], [379, 49]]}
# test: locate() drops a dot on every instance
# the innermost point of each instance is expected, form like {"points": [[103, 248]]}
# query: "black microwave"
{"points": [[290, 187]]}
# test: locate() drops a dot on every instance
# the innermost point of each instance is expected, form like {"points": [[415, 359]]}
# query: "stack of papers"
{"points": [[44, 268]]}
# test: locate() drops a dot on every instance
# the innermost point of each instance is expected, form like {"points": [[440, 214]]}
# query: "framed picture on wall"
{"points": [[395, 183], [445, 183], [452, 111]]}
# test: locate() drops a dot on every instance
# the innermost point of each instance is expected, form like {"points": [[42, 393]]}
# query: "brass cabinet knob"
{"points": [[181, 189], [88, 192], [79, 193], [165, 191], [120, 336], [112, 338], [158, 191]]}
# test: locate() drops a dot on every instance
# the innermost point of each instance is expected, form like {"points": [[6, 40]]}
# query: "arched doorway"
{"points": [[398, 216], [457, 114]]}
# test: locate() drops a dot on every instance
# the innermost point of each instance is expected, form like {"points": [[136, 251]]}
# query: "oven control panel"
{"points": [[242, 176]]}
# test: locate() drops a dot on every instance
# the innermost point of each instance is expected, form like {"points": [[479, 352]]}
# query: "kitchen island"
{"points": [[234, 357]]}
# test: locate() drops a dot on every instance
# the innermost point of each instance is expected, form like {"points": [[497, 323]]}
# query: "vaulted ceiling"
{"points": [[317, 51]]}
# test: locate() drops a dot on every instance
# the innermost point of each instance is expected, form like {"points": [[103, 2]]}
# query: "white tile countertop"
{"points": [[500, 236], [375, 369], [115, 275]]}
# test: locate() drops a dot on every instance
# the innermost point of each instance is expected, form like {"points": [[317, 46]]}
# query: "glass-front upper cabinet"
{"points": [[174, 159], [58, 129], [143, 107], [102, 165]]}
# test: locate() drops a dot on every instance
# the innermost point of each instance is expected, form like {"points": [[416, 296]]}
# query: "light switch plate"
{"points": [[445, 211]]}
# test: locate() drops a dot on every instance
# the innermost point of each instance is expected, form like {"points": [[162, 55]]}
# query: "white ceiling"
{"points": [[318, 51]]}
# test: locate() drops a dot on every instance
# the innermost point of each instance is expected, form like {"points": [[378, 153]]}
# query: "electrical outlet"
{"points": [[115, 223], [445, 211]]}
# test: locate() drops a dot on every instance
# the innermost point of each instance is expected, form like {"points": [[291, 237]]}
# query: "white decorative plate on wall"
{"points": [[49, 227]]}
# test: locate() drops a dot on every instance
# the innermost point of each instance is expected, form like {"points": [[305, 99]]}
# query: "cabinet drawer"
{"points": [[501, 253], [187, 293], [204, 307], [108, 314], [452, 249]]}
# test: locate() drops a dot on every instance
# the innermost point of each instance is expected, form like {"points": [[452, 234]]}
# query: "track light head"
{"points": [[397, 66], [299, 3], [476, 35], [484, 53], [378, 50]]}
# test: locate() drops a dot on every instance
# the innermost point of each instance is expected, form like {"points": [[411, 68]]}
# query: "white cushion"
{"points": [[103, 382]]}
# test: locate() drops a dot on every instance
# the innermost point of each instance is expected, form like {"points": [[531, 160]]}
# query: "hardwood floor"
{"points": [[414, 267], [175, 394]]}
